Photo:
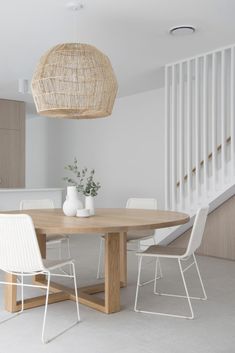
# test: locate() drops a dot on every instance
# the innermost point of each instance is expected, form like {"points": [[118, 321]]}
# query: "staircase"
{"points": [[200, 134]]}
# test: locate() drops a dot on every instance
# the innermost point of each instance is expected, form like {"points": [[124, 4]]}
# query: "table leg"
{"points": [[115, 269], [112, 273], [42, 246], [10, 294]]}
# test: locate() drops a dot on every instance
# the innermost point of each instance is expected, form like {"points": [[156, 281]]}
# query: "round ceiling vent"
{"points": [[182, 30]]}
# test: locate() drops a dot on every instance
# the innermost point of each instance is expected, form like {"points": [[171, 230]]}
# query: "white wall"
{"points": [[126, 149], [36, 151]]}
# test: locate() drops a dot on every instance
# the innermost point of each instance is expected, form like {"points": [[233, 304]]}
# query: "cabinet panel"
{"points": [[12, 144], [11, 161], [10, 114]]}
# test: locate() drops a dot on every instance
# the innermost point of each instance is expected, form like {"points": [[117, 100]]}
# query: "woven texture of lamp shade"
{"points": [[76, 81]]}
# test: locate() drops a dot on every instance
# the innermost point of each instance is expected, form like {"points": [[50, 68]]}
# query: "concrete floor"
{"points": [[212, 331]]}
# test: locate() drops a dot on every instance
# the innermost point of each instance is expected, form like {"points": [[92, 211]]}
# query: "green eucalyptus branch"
{"points": [[84, 184]]}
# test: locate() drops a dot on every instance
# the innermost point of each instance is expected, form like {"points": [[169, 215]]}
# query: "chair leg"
{"points": [[45, 310], [60, 250], [138, 284], [69, 255], [156, 276], [186, 291], [184, 296], [200, 278], [100, 261], [138, 249], [46, 307], [160, 268], [158, 260], [157, 265], [165, 294], [76, 291], [70, 271]]}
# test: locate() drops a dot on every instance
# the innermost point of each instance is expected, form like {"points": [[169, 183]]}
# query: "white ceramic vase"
{"points": [[72, 202], [89, 204]]}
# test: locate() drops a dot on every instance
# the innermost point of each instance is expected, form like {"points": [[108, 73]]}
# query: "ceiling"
{"points": [[134, 34]]}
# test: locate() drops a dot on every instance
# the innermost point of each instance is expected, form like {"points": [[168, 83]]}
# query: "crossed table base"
{"points": [[114, 223], [115, 267]]}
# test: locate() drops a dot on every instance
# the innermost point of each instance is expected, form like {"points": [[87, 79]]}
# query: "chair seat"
{"points": [[162, 251], [56, 238], [53, 264]]}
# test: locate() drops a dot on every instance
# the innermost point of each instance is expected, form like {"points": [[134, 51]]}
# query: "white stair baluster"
{"points": [[223, 122], [167, 139]]}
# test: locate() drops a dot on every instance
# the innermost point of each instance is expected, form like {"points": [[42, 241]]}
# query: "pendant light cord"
{"points": [[75, 26], [76, 8]]}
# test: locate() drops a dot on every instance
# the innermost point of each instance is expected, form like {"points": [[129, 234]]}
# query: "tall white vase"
{"points": [[72, 202], [89, 204]]}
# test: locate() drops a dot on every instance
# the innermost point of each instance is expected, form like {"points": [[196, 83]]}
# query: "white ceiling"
{"points": [[133, 33]]}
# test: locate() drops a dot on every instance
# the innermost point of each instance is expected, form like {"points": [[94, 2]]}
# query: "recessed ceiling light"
{"points": [[182, 30]]}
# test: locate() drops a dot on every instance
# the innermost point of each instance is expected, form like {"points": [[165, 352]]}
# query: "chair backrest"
{"points": [[197, 231], [19, 249], [36, 204], [142, 203]]}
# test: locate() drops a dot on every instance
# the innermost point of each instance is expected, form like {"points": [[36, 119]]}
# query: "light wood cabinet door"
{"points": [[10, 114], [12, 144]]}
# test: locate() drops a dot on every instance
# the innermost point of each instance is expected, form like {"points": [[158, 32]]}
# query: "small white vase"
{"points": [[89, 204], [72, 202]]}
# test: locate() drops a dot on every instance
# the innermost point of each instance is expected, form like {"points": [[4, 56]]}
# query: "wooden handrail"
{"points": [[228, 140]]}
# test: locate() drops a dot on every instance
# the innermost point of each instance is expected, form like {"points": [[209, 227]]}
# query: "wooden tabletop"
{"points": [[106, 220]]}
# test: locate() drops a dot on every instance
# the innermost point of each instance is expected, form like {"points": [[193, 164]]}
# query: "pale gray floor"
{"points": [[212, 330]]}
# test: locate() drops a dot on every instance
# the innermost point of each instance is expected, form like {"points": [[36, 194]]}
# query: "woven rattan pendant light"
{"points": [[74, 80]]}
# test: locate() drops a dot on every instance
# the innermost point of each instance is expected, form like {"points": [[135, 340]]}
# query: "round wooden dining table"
{"points": [[114, 224]]}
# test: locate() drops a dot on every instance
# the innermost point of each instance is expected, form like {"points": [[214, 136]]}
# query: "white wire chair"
{"points": [[180, 254], [133, 236], [20, 255], [54, 239]]}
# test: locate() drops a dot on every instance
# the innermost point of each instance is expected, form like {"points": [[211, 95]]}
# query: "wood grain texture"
{"points": [[10, 114], [94, 302], [53, 221], [42, 245], [40, 300], [10, 294], [219, 235], [85, 294], [12, 144], [112, 273]]}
